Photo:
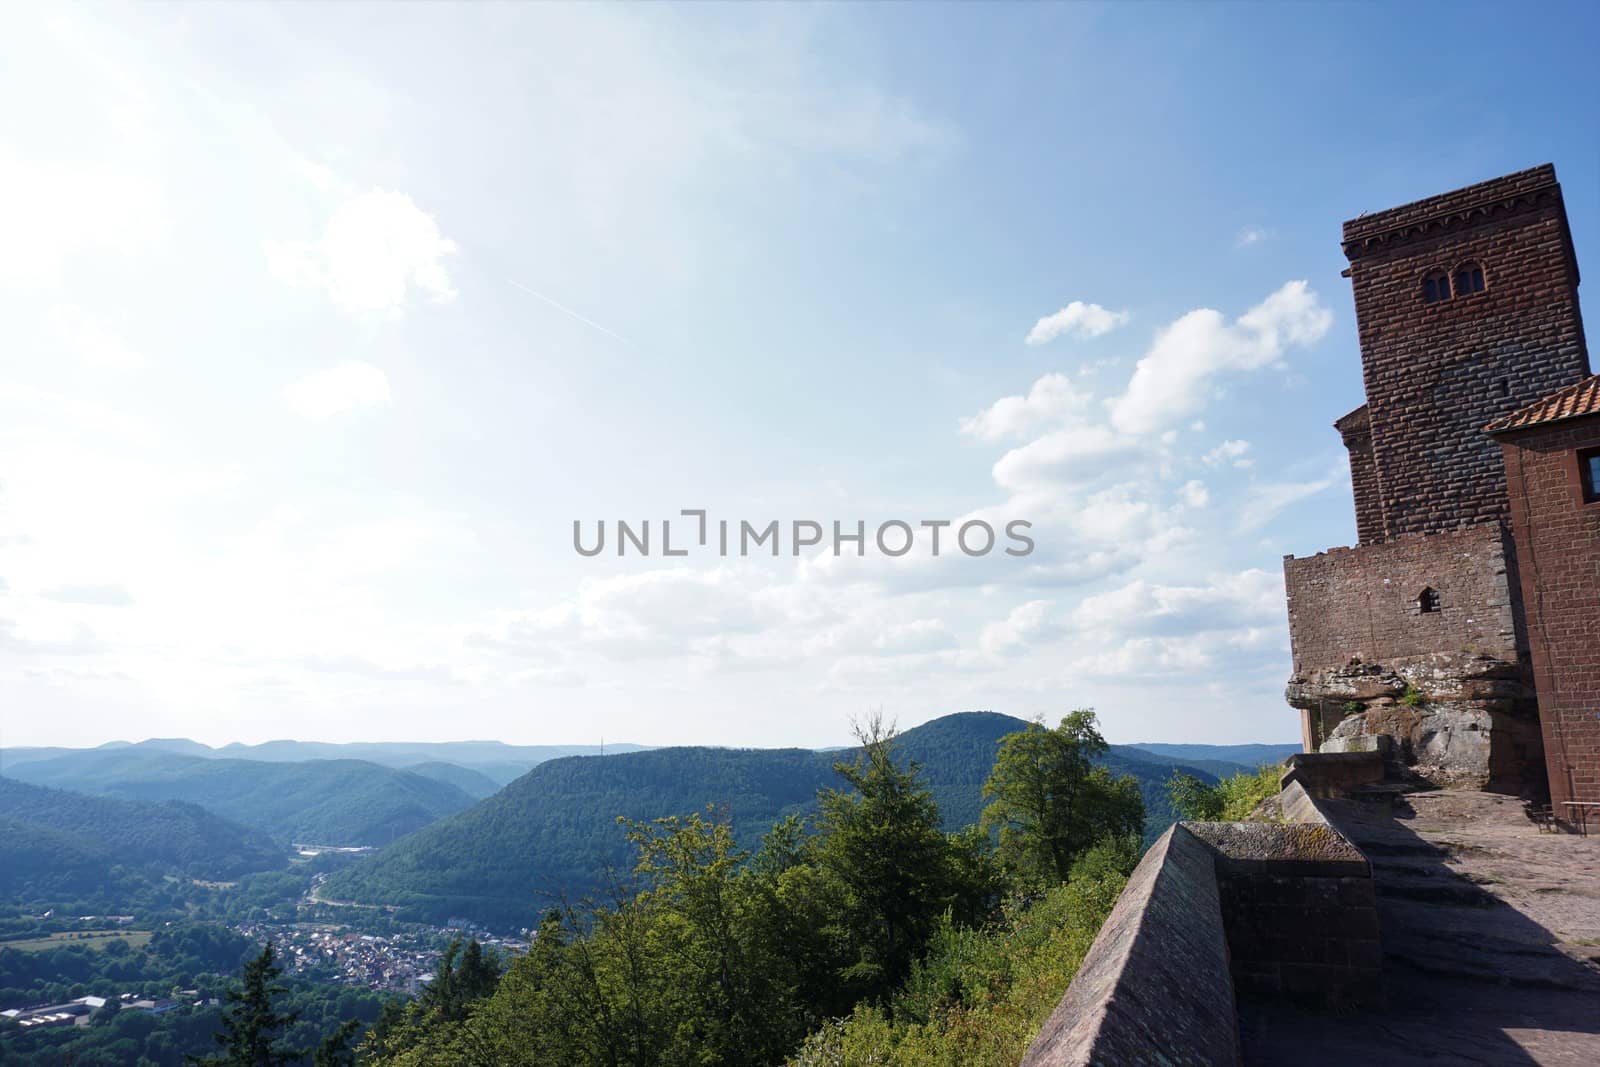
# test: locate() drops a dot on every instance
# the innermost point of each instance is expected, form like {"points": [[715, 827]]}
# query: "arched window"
{"points": [[1428, 600], [1436, 287], [1469, 279]]}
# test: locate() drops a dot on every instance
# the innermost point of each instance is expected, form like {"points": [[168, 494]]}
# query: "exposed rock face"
{"points": [[1457, 718]]}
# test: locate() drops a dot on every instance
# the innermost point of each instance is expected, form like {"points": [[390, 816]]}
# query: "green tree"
{"points": [[464, 976], [882, 842], [1193, 798], [251, 1025], [335, 1050], [1232, 799], [1050, 802]]}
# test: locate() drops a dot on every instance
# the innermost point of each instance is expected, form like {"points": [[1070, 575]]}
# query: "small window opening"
{"points": [[1589, 474], [1436, 287], [1428, 601], [1469, 279], [1505, 386]]}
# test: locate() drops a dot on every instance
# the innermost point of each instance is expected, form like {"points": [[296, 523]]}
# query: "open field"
{"points": [[91, 938]]}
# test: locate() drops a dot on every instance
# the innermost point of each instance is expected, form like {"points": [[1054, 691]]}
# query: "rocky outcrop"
{"points": [[1456, 718]]}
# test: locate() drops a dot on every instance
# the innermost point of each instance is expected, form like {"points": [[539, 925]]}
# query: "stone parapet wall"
{"points": [[1154, 986], [1298, 905], [1266, 909]]}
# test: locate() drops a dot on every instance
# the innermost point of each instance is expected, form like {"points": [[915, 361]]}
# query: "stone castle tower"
{"points": [[1467, 311]]}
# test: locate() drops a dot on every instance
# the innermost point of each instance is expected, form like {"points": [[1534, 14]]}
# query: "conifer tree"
{"points": [[251, 1026]]}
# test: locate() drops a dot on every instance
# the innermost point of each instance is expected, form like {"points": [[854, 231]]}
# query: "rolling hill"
{"points": [[325, 802], [56, 841], [554, 829], [475, 784]]}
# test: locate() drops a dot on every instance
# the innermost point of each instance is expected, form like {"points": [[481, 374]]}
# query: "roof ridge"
{"points": [[1582, 397]]}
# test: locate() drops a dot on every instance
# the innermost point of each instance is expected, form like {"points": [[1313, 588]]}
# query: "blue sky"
{"points": [[326, 323]]}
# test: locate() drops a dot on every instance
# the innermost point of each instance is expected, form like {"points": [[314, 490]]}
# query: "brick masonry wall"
{"points": [[1435, 374], [1362, 602], [1558, 551], [1356, 429]]}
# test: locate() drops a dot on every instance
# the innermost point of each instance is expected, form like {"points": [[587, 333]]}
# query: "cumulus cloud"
{"points": [[1177, 376], [1073, 456], [1026, 624], [377, 247], [347, 387], [1077, 320], [1229, 452], [1194, 494], [1052, 399], [1226, 602]]}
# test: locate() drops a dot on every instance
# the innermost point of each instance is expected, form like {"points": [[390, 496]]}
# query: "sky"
{"points": [[324, 324]]}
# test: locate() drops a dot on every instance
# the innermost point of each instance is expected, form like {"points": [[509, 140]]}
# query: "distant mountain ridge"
{"points": [[1248, 756], [554, 829], [494, 758], [325, 802]]}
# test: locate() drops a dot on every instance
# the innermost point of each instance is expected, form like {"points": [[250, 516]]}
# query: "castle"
{"points": [[1461, 634], [1355, 918]]}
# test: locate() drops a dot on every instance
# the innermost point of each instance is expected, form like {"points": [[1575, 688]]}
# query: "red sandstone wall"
{"points": [[1437, 373], [1361, 602], [1356, 429], [1558, 553]]}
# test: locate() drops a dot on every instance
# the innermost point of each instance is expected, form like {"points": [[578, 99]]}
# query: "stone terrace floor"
{"points": [[1491, 940]]}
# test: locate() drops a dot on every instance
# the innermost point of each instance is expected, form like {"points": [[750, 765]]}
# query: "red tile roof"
{"points": [[1580, 398]]}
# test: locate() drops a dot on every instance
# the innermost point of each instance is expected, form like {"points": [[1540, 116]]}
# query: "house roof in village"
{"points": [[1577, 399]]}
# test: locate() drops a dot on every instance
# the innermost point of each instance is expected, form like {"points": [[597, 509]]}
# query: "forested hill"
{"points": [[554, 829], [326, 802], [53, 841]]}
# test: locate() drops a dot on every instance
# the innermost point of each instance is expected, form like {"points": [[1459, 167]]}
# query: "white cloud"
{"points": [[1178, 375], [1026, 624], [1251, 235], [1073, 456], [1194, 494], [377, 247], [115, 596], [1262, 502], [1230, 452], [1052, 399], [1078, 320], [1226, 602], [49, 214], [347, 387], [91, 341]]}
